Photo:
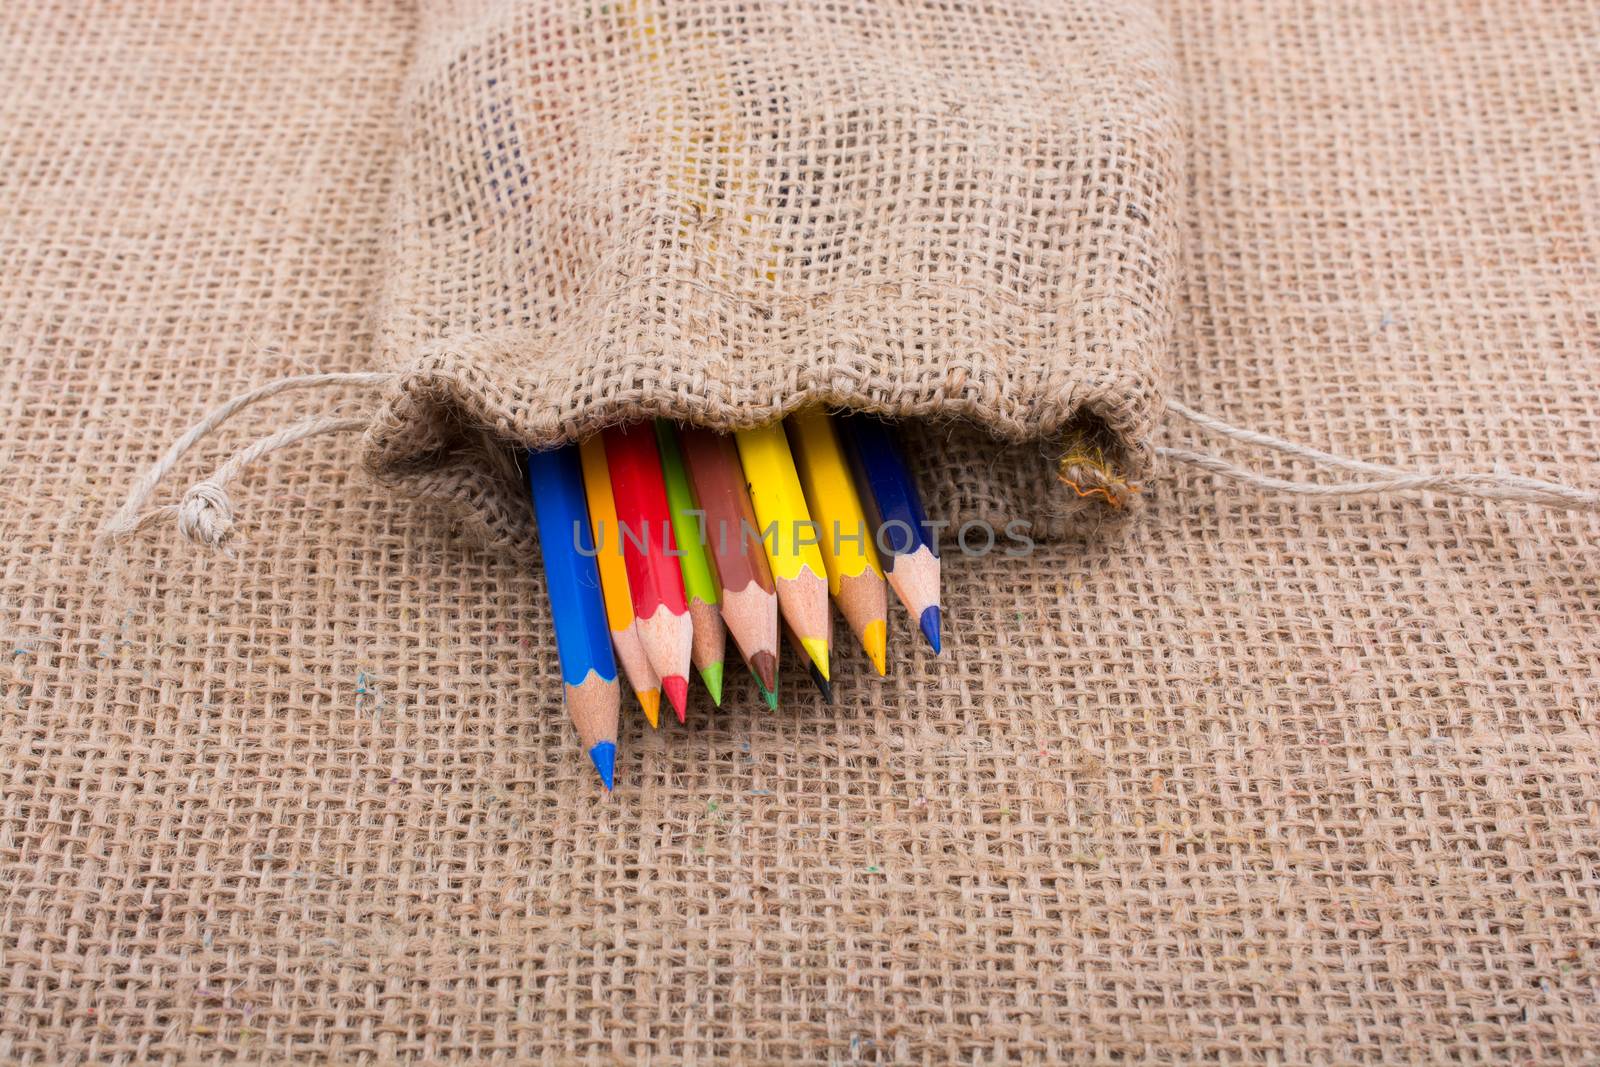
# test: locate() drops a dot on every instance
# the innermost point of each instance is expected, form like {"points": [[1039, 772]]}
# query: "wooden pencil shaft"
{"points": [[792, 540], [831, 497], [748, 595], [718, 478], [779, 503], [594, 705], [655, 578], [577, 608], [603, 522], [629, 652], [645, 520], [689, 531], [888, 493], [583, 635], [855, 577], [752, 617]]}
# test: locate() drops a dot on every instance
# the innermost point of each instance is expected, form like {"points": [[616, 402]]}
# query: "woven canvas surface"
{"points": [[720, 212], [1245, 779]]}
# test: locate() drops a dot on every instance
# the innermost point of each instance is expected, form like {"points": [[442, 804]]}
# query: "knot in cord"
{"points": [[206, 514]]}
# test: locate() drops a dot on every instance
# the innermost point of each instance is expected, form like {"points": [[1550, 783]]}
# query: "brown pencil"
{"points": [[749, 597]]}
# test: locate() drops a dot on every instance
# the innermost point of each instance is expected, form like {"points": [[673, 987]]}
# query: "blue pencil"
{"points": [[894, 512], [583, 636]]}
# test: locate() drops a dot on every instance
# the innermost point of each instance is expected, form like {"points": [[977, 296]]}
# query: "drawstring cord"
{"points": [[1477, 485], [205, 514]]}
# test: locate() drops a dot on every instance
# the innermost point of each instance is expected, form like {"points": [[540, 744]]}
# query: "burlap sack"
{"points": [[720, 212], [1266, 780]]}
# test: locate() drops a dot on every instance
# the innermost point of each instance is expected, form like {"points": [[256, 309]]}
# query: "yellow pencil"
{"points": [[855, 577], [614, 580], [790, 537]]}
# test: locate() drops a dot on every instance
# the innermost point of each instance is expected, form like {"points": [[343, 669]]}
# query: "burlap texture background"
{"points": [[721, 212], [1248, 778]]}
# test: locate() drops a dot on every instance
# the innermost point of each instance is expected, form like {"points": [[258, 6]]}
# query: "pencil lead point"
{"points": [[765, 665], [823, 685], [930, 626], [677, 687], [650, 701], [711, 674], [875, 639], [817, 649], [604, 758], [769, 696]]}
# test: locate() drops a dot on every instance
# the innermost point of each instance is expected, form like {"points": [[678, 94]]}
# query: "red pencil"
{"points": [[649, 552]]}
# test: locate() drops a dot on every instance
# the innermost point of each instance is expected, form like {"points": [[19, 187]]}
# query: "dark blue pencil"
{"points": [[894, 512], [583, 636]]}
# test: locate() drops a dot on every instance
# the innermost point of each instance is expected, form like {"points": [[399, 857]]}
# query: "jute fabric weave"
{"points": [[720, 212], [1246, 778]]}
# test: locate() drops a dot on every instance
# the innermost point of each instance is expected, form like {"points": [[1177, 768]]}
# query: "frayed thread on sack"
{"points": [[205, 514], [1091, 475]]}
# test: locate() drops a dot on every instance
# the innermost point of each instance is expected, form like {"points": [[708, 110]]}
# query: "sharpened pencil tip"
{"points": [[930, 626], [821, 683], [711, 674], [604, 758], [765, 665], [817, 649], [677, 687], [875, 639], [650, 701]]}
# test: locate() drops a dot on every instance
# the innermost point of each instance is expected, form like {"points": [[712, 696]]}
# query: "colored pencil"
{"points": [[893, 507], [789, 536], [769, 696], [749, 599], [583, 639], [823, 685], [649, 553], [855, 577], [699, 577], [614, 580]]}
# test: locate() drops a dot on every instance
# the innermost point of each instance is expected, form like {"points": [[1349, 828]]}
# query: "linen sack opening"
{"points": [[717, 212]]}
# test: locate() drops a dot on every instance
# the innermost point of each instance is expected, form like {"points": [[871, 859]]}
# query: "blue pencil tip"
{"points": [[930, 626], [604, 758]]}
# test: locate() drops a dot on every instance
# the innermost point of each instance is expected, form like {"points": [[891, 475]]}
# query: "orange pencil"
{"points": [[614, 580]]}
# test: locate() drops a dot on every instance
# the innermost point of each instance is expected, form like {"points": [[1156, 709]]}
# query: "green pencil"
{"points": [[700, 582]]}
